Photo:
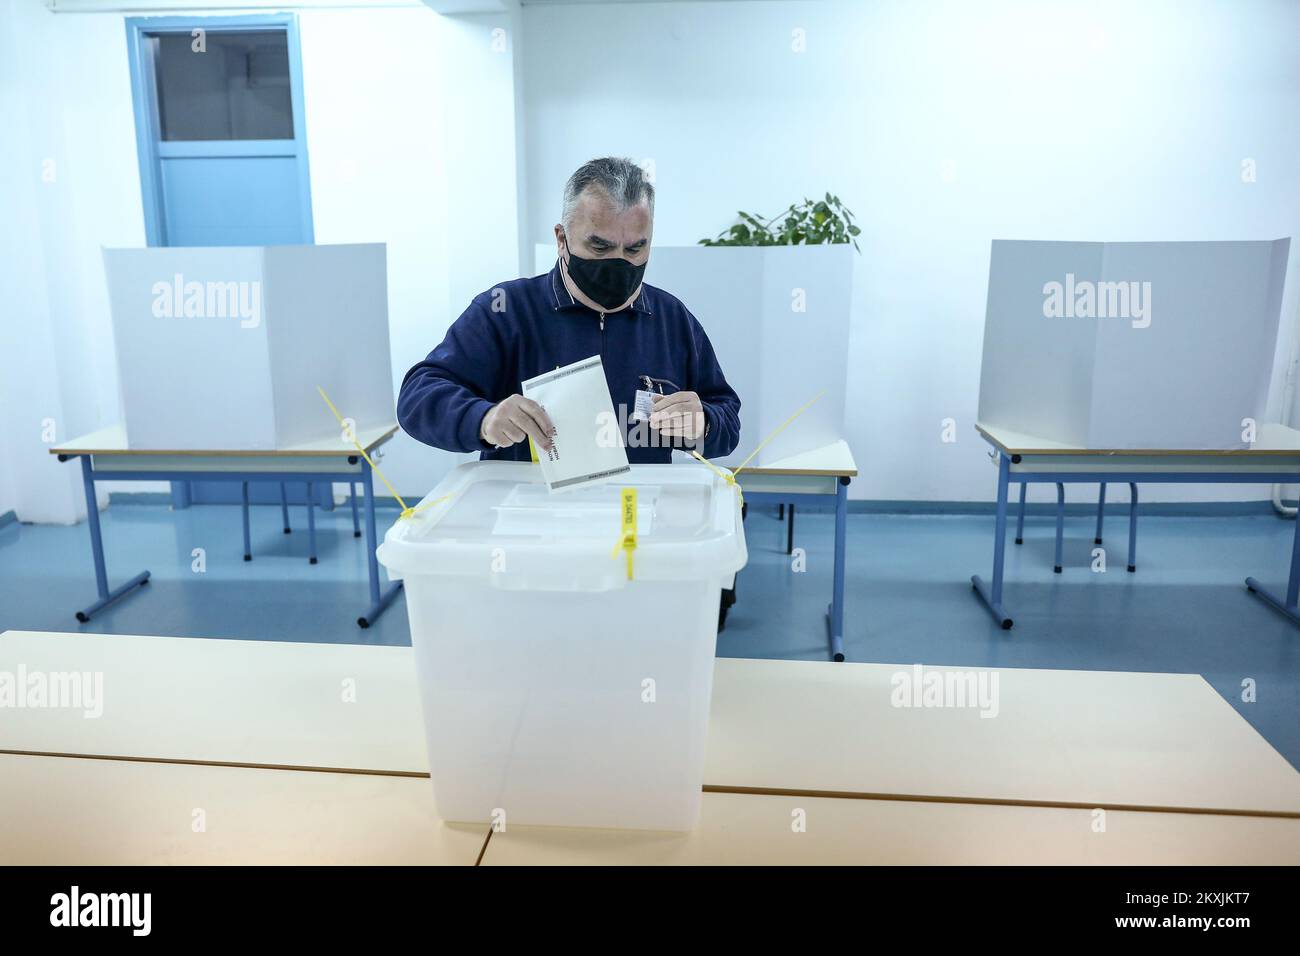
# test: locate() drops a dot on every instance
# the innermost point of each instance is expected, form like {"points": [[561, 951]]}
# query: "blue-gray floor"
{"points": [[909, 594]]}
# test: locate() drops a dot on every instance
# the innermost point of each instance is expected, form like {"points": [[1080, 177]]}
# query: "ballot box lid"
{"points": [[498, 520]]}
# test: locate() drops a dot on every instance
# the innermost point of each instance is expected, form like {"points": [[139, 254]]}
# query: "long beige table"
{"points": [[1274, 458], [1070, 738], [262, 703], [1061, 738], [70, 811], [107, 455], [744, 829], [73, 811], [810, 478]]}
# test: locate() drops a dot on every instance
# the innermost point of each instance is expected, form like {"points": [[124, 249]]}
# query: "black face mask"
{"points": [[607, 282]]}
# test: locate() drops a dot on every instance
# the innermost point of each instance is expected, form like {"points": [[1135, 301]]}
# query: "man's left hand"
{"points": [[679, 415]]}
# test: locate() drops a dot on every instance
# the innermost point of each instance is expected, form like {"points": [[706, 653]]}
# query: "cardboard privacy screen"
{"points": [[222, 348], [1131, 345]]}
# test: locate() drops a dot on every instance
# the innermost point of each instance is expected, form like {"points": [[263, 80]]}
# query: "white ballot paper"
{"points": [[588, 442]]}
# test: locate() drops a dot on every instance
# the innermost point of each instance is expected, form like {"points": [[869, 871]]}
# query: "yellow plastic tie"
{"points": [[722, 473], [730, 476], [627, 539], [407, 510]]}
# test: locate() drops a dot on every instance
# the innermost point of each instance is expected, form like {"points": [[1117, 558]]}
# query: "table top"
{"points": [[1273, 440], [1090, 738], [834, 460], [112, 441], [265, 703], [123, 812], [65, 811], [745, 829]]}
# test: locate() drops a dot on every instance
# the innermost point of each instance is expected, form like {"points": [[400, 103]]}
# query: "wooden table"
{"points": [[747, 830], [1076, 739], [809, 478], [1054, 778], [1274, 458], [110, 812], [1060, 739], [254, 703], [69, 811], [107, 456]]}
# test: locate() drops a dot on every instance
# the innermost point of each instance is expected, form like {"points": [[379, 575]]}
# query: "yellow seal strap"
{"points": [[627, 538], [407, 510], [727, 476], [730, 476]]}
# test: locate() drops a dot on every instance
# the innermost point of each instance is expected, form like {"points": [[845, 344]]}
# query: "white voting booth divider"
{"points": [[1131, 345], [778, 319], [223, 348]]}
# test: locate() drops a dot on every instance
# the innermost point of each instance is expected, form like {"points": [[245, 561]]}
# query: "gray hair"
{"points": [[622, 180]]}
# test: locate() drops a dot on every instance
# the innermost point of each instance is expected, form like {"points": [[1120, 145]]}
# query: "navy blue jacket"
{"points": [[529, 326]]}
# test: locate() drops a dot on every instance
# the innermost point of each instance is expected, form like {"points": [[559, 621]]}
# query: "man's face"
{"points": [[599, 230]]}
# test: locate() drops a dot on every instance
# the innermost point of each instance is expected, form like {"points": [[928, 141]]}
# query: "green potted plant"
{"points": [[809, 223]]}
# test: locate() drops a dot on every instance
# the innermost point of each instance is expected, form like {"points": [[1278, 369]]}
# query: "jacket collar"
{"points": [[564, 301]]}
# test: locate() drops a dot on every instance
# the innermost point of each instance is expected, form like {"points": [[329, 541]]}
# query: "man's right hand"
{"points": [[515, 419]]}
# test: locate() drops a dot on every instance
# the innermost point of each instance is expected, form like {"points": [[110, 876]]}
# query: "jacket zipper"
{"points": [[602, 336]]}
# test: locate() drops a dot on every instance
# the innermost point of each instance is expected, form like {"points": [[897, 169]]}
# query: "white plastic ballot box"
{"points": [[555, 690]]}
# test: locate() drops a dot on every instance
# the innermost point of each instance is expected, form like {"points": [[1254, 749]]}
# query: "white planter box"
{"points": [[1129, 345], [223, 348], [778, 318]]}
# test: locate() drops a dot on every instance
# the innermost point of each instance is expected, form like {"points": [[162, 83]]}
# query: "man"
{"points": [[466, 395]]}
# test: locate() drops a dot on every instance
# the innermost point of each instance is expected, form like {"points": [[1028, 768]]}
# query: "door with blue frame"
{"points": [[223, 152]]}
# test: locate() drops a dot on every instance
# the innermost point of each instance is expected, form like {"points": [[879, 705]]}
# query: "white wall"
{"points": [[57, 156], [1104, 120], [411, 135], [411, 140]]}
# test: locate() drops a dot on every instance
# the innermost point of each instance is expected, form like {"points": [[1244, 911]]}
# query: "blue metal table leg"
{"points": [[311, 525], [378, 602], [1060, 527], [992, 597], [835, 612], [1020, 518], [1132, 526], [1287, 606], [1101, 512], [243, 500], [356, 522], [284, 506], [106, 597]]}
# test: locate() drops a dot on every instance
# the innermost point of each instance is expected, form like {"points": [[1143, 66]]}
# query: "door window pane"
{"points": [[236, 88]]}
